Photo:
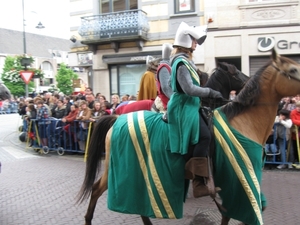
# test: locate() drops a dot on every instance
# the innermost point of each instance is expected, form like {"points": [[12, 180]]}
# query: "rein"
{"points": [[285, 74], [234, 77]]}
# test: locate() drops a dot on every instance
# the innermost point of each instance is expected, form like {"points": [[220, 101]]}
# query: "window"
{"points": [[85, 59], [125, 79], [46, 82], [46, 66], [184, 6], [108, 6]]}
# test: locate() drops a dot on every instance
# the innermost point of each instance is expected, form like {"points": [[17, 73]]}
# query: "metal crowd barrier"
{"points": [[295, 129], [54, 135], [12, 108], [275, 157]]}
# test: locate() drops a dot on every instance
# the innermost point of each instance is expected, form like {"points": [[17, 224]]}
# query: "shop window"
{"points": [[184, 6], [125, 79]]}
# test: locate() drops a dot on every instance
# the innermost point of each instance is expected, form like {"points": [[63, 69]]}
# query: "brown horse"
{"points": [[251, 114]]}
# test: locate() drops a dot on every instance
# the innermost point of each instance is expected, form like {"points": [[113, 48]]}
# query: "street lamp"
{"points": [[26, 61]]}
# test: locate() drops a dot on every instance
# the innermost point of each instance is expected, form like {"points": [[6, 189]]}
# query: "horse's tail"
{"points": [[95, 153]]}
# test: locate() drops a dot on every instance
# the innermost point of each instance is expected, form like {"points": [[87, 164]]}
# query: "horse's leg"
{"points": [[101, 185], [98, 188], [146, 220], [225, 220]]}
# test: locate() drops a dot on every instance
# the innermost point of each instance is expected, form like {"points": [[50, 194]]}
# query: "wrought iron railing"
{"points": [[111, 26]]}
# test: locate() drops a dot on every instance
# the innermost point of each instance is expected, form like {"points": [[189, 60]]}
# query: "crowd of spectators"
{"points": [[88, 107], [284, 131], [75, 111]]}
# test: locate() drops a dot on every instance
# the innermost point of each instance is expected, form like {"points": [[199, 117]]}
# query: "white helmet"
{"points": [[185, 32], [166, 51]]}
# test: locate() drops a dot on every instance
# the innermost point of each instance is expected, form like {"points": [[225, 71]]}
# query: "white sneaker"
{"points": [[290, 166], [282, 166]]}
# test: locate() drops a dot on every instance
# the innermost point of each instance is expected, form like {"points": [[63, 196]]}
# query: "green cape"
{"points": [[238, 166], [144, 178], [183, 113]]}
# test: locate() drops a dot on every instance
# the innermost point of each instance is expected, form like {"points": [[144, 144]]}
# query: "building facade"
{"points": [[244, 31], [48, 53], [119, 35]]}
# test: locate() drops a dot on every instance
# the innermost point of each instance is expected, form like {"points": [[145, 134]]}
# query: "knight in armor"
{"points": [[164, 90], [186, 125], [148, 89]]}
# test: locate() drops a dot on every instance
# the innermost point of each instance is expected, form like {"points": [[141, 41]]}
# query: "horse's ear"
{"points": [[223, 66], [275, 56]]}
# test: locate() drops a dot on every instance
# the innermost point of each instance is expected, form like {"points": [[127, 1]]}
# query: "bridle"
{"points": [[284, 73], [234, 76]]}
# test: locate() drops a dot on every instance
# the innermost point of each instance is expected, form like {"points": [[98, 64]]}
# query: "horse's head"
{"points": [[284, 74], [279, 78], [4, 92], [225, 78], [235, 78]]}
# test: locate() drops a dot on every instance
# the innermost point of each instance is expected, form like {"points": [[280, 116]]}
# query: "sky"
{"points": [[53, 14]]}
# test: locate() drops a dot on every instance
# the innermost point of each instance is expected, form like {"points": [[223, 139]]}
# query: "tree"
{"points": [[11, 75], [64, 79], [53, 88]]}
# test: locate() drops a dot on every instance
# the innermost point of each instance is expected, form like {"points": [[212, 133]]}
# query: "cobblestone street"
{"points": [[41, 190]]}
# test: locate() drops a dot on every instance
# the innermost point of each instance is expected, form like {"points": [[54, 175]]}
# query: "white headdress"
{"points": [[185, 33]]}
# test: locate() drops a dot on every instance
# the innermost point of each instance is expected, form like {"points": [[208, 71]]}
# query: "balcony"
{"points": [[130, 25]]}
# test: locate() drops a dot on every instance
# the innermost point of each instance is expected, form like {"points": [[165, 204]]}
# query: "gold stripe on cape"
{"points": [[236, 166], [143, 166]]}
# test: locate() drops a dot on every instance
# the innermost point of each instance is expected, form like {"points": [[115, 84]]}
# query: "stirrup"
{"points": [[164, 117]]}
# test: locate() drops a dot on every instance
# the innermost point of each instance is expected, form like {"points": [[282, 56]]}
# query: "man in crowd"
{"points": [[90, 98]]}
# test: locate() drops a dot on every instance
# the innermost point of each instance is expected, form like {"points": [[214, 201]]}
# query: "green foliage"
{"points": [[64, 79], [53, 88], [11, 75]]}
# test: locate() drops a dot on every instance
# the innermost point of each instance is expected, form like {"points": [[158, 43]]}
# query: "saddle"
{"points": [[206, 114]]}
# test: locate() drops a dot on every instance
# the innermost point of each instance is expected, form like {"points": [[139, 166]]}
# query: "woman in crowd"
{"points": [[115, 101], [83, 116], [96, 111], [60, 110], [31, 115], [42, 120], [72, 115], [101, 98], [70, 126]]}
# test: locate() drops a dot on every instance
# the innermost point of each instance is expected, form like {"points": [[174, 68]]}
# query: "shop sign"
{"points": [[138, 58], [267, 43]]}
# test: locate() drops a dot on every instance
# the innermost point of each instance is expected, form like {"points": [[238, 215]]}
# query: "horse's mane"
{"points": [[231, 68], [247, 96], [221, 66]]}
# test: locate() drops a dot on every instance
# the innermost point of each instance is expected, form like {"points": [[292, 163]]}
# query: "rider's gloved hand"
{"points": [[214, 94]]}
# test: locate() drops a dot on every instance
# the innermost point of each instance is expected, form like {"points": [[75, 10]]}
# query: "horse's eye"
{"points": [[293, 70]]}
